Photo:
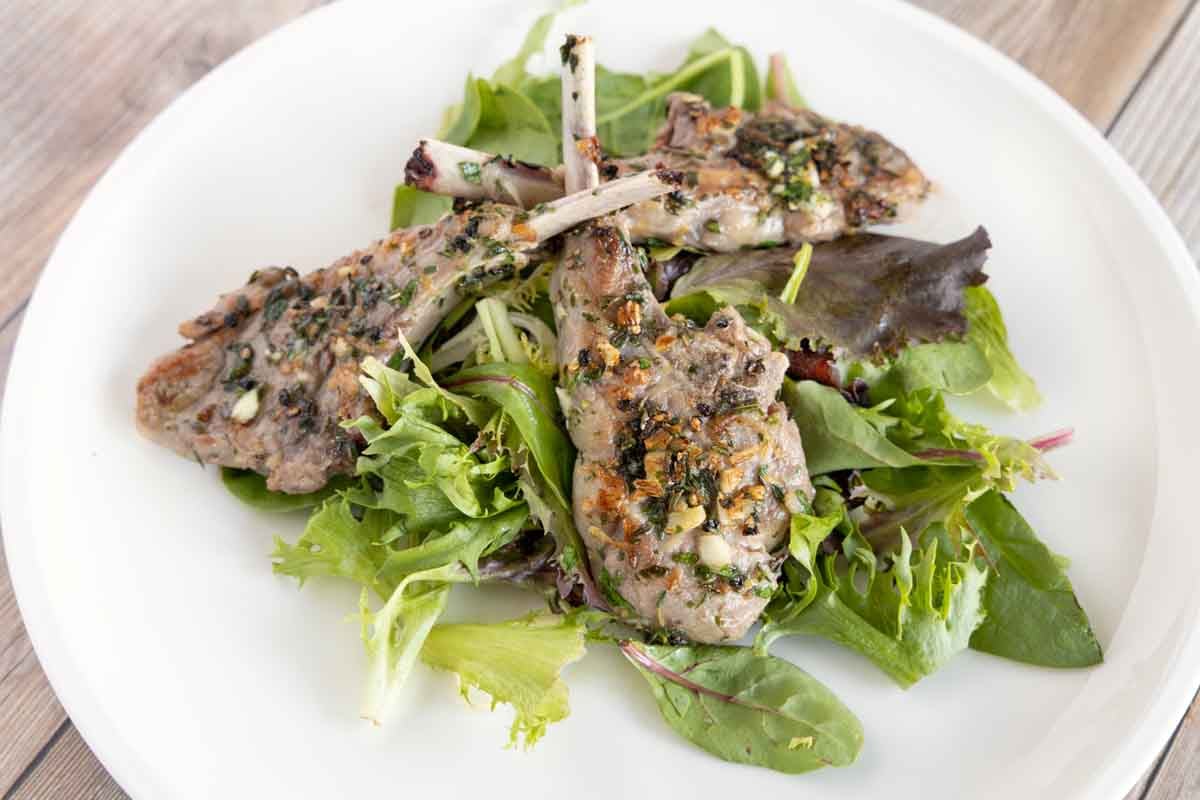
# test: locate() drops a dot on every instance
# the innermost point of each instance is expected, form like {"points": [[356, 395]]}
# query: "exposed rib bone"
{"points": [[447, 169], [738, 195], [581, 148], [573, 209]]}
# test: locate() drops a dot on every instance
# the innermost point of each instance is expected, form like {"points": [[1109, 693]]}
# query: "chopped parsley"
{"points": [[470, 171]]}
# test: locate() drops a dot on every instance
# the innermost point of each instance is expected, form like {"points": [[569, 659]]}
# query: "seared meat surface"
{"points": [[782, 175], [273, 369], [295, 343], [688, 467]]}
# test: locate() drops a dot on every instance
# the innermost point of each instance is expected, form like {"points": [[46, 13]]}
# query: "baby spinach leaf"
{"points": [[546, 93], [1032, 612], [748, 708], [468, 113], [411, 206], [513, 72], [638, 108], [511, 125], [733, 81], [499, 119], [251, 488], [836, 434], [632, 133]]}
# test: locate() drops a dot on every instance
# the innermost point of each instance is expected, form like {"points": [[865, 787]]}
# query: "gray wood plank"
{"points": [[29, 711], [78, 79], [1091, 51], [1159, 130], [1178, 774], [67, 771]]}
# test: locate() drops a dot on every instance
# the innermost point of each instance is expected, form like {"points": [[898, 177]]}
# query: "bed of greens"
{"points": [[910, 553]]}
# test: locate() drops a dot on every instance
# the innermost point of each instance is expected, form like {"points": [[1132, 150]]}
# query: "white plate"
{"points": [[194, 672]]}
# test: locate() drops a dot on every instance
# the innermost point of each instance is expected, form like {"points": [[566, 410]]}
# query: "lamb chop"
{"points": [[274, 367], [688, 467], [782, 175]]}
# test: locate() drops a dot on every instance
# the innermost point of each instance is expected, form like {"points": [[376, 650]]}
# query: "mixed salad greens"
{"points": [[909, 553]]}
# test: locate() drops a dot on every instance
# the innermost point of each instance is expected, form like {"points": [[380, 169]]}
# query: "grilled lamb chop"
{"points": [[688, 467], [273, 368], [782, 175]]}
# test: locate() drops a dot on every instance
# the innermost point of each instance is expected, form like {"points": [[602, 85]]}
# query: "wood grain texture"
{"points": [[27, 703], [1092, 52], [29, 711], [67, 771], [1158, 132], [78, 79], [1178, 776]]}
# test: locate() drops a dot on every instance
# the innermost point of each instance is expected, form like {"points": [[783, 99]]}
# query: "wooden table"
{"points": [[78, 79]]}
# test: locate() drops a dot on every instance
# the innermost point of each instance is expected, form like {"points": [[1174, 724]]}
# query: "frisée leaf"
{"points": [[910, 620], [518, 663]]}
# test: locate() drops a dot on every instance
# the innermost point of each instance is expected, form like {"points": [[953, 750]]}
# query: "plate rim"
{"points": [[66, 676]]}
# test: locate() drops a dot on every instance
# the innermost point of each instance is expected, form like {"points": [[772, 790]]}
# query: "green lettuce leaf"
{"points": [[959, 368], [838, 435], [986, 330], [910, 620], [1033, 614], [464, 543], [394, 635], [628, 132], [528, 399], [748, 707], [437, 491], [386, 386], [336, 543], [518, 662], [909, 501], [500, 119]]}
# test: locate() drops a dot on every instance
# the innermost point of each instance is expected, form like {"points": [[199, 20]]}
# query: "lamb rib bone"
{"points": [[783, 175], [581, 148], [443, 168]]}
